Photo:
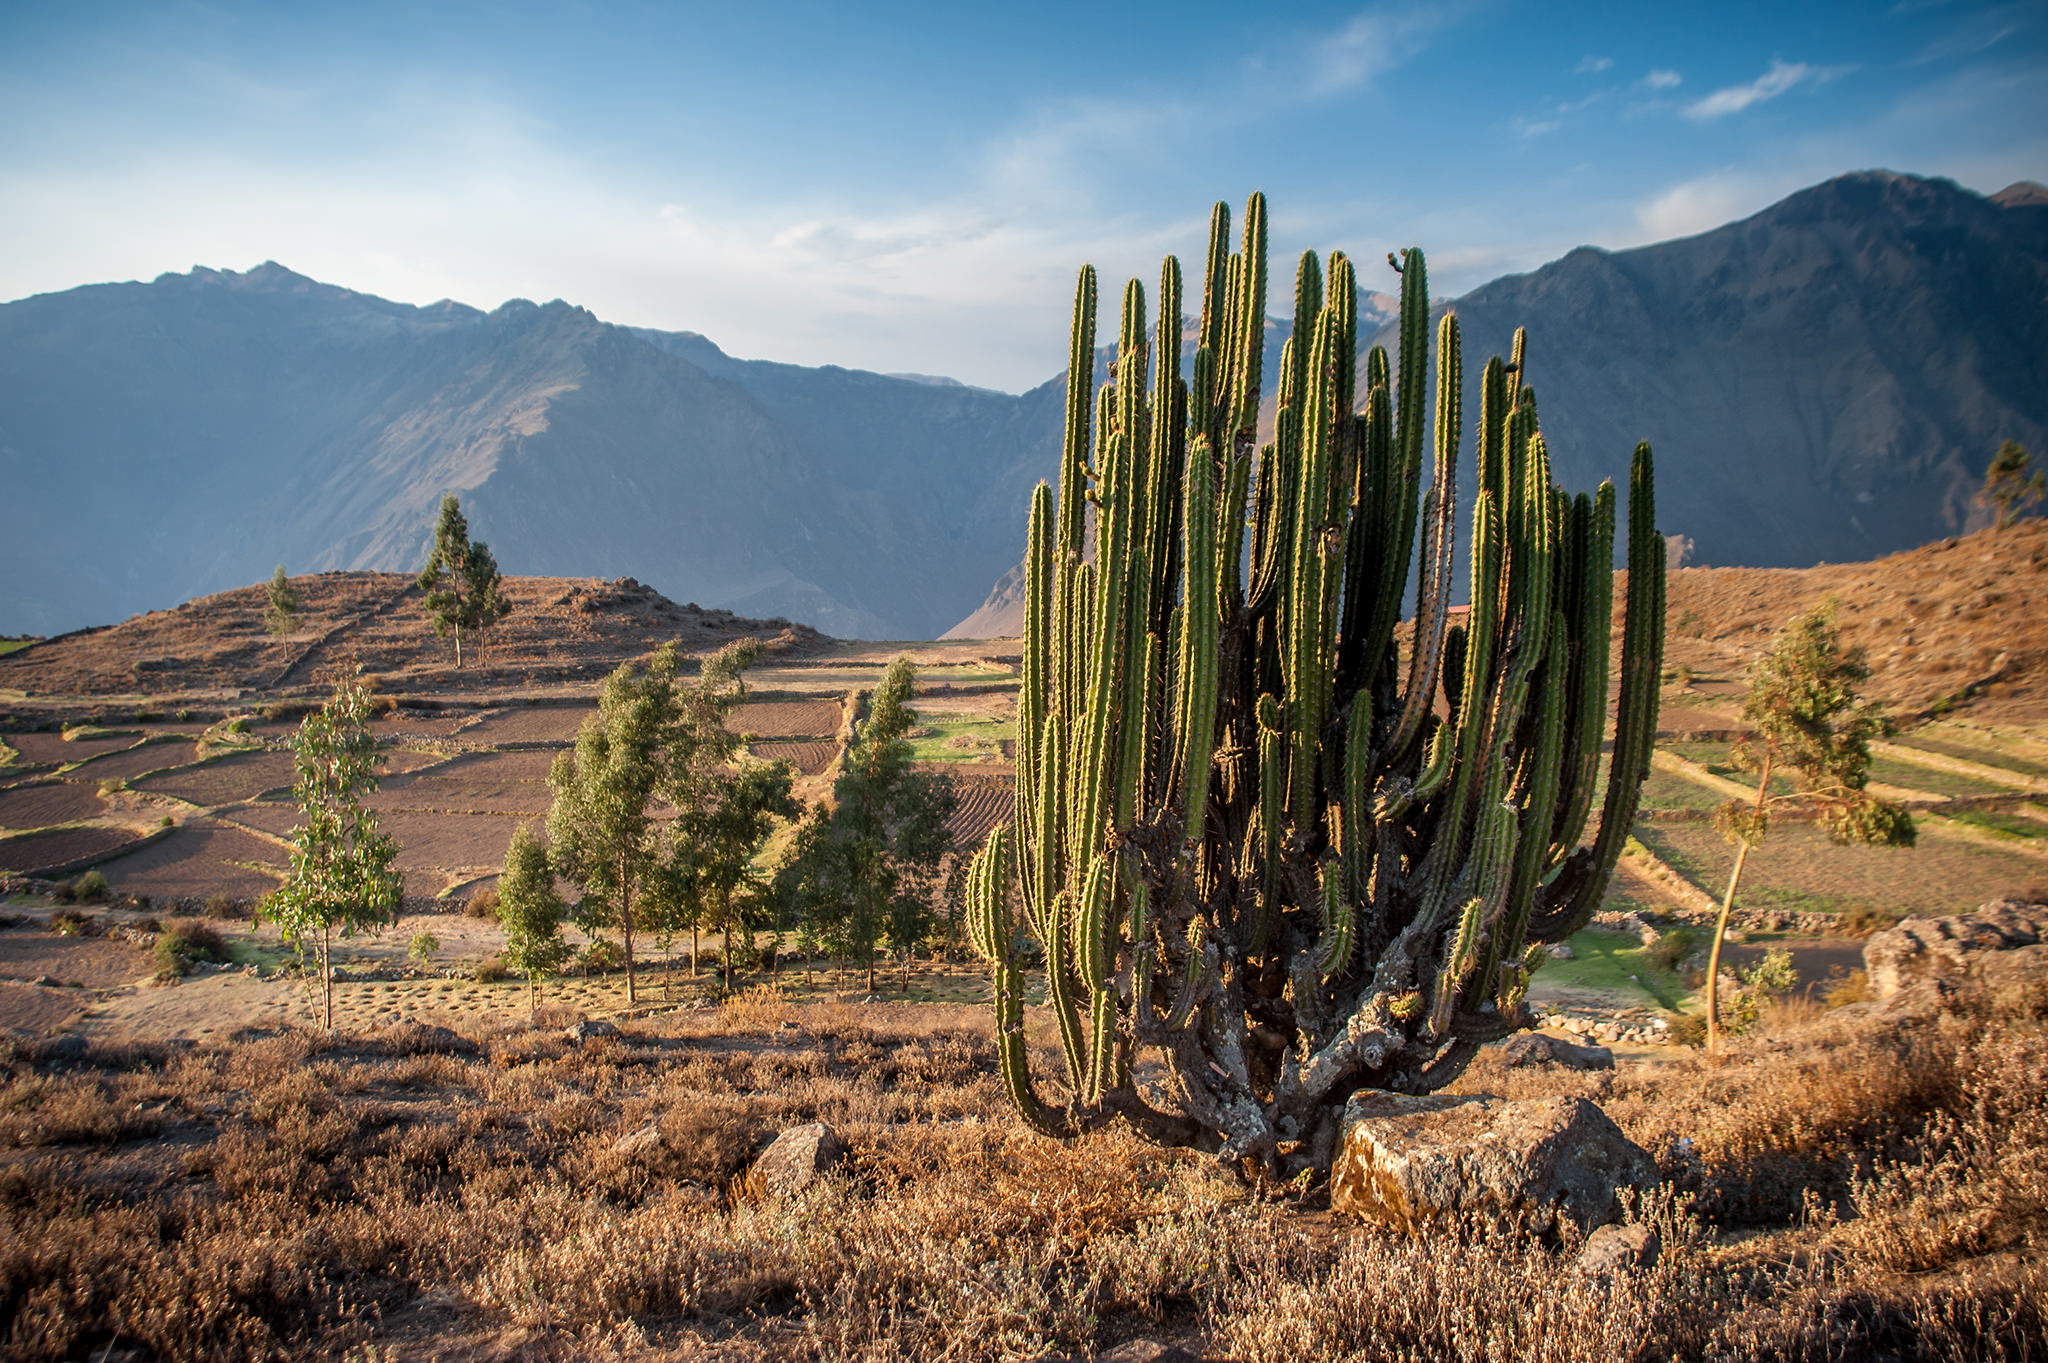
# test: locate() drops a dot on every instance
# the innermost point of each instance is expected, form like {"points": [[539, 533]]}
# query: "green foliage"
{"points": [[281, 610], [866, 867], [656, 735], [1811, 725], [1262, 828], [726, 806], [531, 911], [2011, 485], [1770, 977], [422, 950], [461, 580], [344, 873], [90, 888], [184, 943]]}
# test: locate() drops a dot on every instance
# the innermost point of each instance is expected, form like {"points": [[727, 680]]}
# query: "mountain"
{"points": [[169, 439], [1822, 382]]}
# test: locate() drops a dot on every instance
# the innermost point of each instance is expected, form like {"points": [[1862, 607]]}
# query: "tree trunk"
{"points": [[693, 947], [626, 926], [1763, 790], [327, 977], [871, 972], [906, 972], [458, 648], [725, 915]]}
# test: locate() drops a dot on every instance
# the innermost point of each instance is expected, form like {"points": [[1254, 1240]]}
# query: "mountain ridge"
{"points": [[1823, 380]]}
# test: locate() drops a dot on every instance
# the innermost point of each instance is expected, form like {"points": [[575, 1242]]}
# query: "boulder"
{"points": [[591, 1029], [635, 1144], [797, 1159], [1406, 1160], [1949, 952], [1616, 1251], [415, 1038], [1535, 1048]]}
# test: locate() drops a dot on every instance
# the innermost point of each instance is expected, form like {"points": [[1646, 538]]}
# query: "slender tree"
{"points": [[281, 611], [866, 864], [344, 872], [461, 580], [531, 912], [602, 833], [2011, 485], [1812, 727], [717, 840]]}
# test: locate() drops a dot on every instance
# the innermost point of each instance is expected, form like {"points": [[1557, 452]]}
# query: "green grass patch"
{"points": [[1614, 963], [1891, 772], [965, 739], [1667, 791], [1997, 821], [1970, 747], [16, 645]]}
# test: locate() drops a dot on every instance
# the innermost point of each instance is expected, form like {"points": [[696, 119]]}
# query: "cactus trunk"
{"points": [[1264, 829]]}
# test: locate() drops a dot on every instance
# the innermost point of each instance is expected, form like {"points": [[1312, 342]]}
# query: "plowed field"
{"points": [[787, 719], [983, 805], [196, 861], [809, 757], [32, 852], [224, 780], [551, 724], [50, 802]]}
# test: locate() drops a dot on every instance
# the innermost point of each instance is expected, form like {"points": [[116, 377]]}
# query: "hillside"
{"points": [[1954, 626], [140, 423], [1824, 380], [560, 631]]}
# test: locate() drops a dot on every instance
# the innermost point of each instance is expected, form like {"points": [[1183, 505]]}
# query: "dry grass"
{"points": [[1831, 1194]]}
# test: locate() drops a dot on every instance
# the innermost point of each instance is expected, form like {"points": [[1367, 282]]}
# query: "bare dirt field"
{"points": [[201, 858], [29, 852], [43, 803]]}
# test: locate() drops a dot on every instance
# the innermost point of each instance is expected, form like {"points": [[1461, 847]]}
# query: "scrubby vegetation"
{"points": [[1837, 1192]]}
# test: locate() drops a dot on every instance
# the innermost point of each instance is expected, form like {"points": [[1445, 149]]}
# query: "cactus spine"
{"points": [[1263, 828]]}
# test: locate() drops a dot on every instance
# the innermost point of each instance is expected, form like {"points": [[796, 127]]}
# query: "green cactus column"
{"points": [[1267, 829]]}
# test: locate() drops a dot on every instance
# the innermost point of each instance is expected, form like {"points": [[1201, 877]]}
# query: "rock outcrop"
{"points": [[1997, 945], [797, 1159], [1406, 1160]]}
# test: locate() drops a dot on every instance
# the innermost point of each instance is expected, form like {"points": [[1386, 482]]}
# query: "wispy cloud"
{"points": [[1592, 66], [1369, 45], [1781, 77], [1663, 78]]}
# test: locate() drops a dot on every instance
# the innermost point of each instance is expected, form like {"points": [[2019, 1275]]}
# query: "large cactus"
{"points": [[1263, 828]]}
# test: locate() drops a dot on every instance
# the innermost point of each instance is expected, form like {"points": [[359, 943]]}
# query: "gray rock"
{"points": [[1947, 952], [634, 1144], [1535, 1048], [590, 1030], [69, 1046], [1615, 1251], [798, 1158], [1406, 1160], [1146, 1351], [415, 1038]]}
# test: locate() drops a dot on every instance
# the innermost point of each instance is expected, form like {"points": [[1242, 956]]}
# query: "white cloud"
{"points": [[1781, 77], [1592, 66], [1369, 45], [1700, 205], [1663, 78]]}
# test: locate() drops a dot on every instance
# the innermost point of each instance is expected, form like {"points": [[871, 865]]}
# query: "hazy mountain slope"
{"points": [[162, 440], [1822, 382]]}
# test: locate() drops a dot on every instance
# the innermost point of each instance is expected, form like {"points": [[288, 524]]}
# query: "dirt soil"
{"points": [[1960, 620], [560, 630]]}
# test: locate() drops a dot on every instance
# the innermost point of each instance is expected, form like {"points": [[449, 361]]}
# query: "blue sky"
{"points": [[911, 188]]}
